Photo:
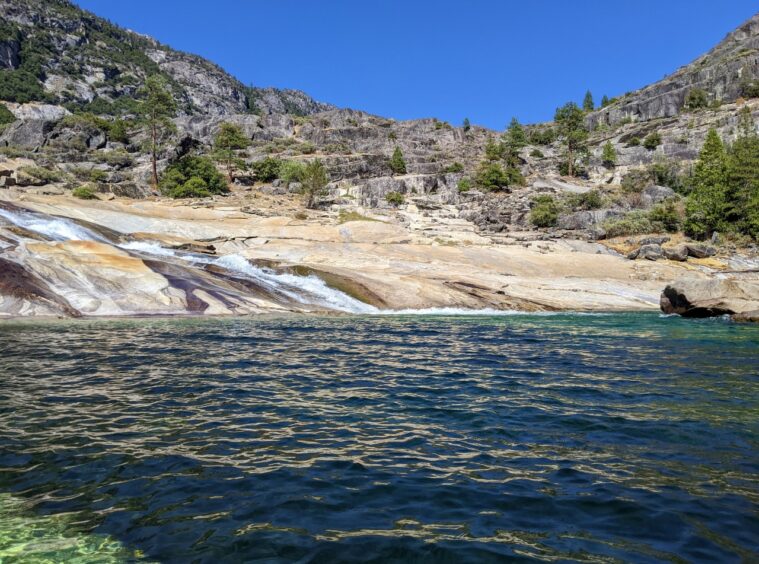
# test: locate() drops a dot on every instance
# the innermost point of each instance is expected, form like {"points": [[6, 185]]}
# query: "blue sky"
{"points": [[483, 59]]}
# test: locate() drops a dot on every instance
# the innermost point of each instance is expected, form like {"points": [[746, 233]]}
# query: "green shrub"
{"points": [[315, 179], [542, 135], [20, 86], [291, 171], [179, 180], [652, 141], [42, 173], [590, 200], [633, 142], [85, 121], [455, 167], [696, 98], [118, 131], [664, 216], [97, 175], [397, 162], [609, 155], [195, 187], [750, 88], [634, 223], [6, 116], [84, 193], [266, 169], [307, 148], [465, 184], [491, 176], [636, 181], [537, 153], [395, 198], [544, 212]]}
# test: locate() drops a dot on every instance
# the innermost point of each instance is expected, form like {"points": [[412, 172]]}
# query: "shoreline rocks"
{"points": [[712, 298]]}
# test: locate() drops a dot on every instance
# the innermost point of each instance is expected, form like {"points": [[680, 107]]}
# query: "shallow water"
{"points": [[627, 436]]}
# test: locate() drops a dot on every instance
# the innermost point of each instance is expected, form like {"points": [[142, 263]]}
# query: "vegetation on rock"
{"points": [[84, 193], [314, 180], [609, 155], [395, 198], [573, 134], [228, 142], [397, 162], [192, 177], [156, 110], [544, 211]]}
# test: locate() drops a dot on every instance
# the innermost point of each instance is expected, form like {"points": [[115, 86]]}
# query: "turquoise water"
{"points": [[627, 437]]}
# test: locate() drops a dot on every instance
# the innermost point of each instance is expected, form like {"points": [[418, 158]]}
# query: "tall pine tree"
{"points": [[587, 103], [707, 205], [743, 177]]}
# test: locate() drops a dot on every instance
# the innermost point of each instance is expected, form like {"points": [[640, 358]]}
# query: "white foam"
{"points": [[57, 229], [148, 248]]}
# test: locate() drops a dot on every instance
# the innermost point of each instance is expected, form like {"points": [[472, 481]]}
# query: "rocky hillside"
{"points": [[724, 74], [52, 51]]}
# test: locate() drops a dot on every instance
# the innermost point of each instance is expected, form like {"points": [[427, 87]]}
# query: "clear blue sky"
{"points": [[483, 59]]}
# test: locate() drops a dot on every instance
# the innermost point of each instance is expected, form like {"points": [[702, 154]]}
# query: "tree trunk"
{"points": [[154, 135]]}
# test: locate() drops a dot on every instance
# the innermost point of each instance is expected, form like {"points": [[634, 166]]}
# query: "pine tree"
{"points": [[587, 103], [743, 177], [228, 141], [605, 101], [515, 137], [315, 180], [609, 156], [466, 125], [397, 163], [156, 110], [570, 121], [707, 204], [493, 150]]}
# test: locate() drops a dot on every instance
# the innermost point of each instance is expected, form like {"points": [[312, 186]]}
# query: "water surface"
{"points": [[436, 439]]}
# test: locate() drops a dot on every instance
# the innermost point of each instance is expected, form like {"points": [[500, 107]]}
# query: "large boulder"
{"points": [[678, 253], [586, 219], [700, 251], [708, 298], [649, 252]]}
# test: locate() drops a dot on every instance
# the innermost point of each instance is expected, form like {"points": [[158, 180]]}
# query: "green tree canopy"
{"points": [[570, 122], [609, 155], [707, 204], [228, 141], [515, 137], [314, 179], [604, 101], [743, 177], [587, 103], [156, 109], [397, 162], [466, 125]]}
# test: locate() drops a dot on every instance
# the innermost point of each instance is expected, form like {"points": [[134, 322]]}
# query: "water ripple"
{"points": [[586, 438]]}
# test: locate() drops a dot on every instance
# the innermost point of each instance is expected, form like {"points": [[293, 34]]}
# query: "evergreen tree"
{"points": [[515, 137], [609, 156], [570, 121], [604, 101], [315, 180], [397, 163], [743, 177], [493, 150], [466, 125], [587, 103], [227, 142], [707, 203], [156, 110]]}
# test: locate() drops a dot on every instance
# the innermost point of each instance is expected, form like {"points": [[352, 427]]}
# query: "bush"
{"points": [[6, 116], [491, 176], [666, 172], [455, 167], [652, 141], [634, 223], [465, 184], [315, 179], [696, 98], [41, 173], [591, 200], [750, 88], [537, 153], [636, 181], [181, 178], [267, 169], [118, 131], [545, 212], [20, 86], [609, 155], [84, 193], [664, 216], [395, 198], [97, 175], [633, 142], [397, 162], [291, 171], [542, 135]]}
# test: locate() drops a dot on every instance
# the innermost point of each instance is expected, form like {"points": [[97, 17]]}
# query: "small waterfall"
{"points": [[58, 229], [306, 290]]}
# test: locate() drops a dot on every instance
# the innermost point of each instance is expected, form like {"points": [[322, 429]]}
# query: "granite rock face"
{"points": [[722, 73]]}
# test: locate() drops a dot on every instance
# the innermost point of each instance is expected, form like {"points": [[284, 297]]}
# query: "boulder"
{"points": [[654, 240], [655, 194], [678, 253], [586, 219], [650, 252], [747, 316], [700, 251], [708, 298]]}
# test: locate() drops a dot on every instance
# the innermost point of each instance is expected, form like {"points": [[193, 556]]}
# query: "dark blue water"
{"points": [[621, 437]]}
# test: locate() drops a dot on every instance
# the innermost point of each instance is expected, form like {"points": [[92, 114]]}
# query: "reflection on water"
{"points": [[627, 437]]}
